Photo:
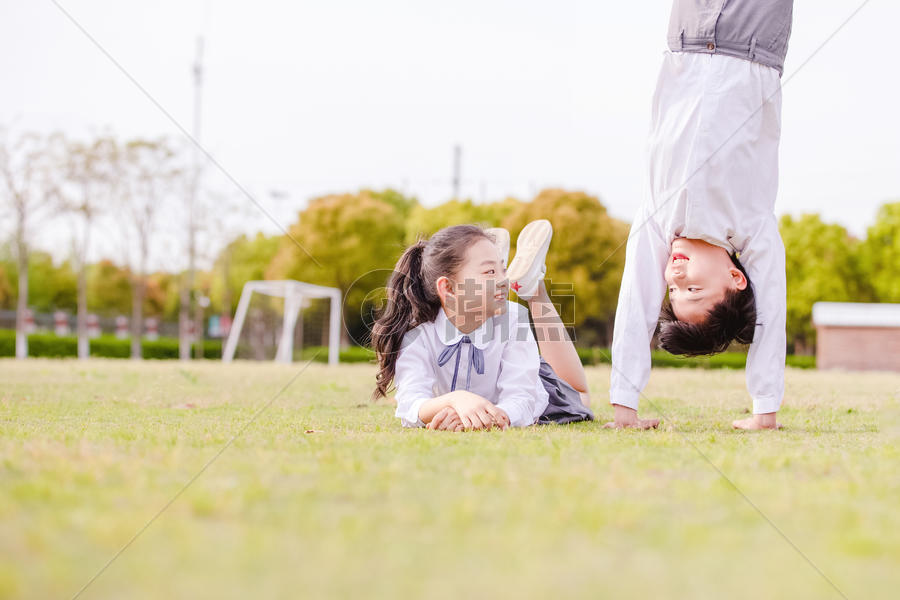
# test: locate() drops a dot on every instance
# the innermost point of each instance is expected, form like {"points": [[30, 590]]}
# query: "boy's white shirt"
{"points": [[511, 366], [713, 159]]}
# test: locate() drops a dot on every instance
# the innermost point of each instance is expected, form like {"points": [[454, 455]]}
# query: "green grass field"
{"points": [[362, 508]]}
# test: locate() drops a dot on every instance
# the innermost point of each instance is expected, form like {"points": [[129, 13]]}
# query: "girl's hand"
{"points": [[504, 422], [476, 412], [446, 420]]}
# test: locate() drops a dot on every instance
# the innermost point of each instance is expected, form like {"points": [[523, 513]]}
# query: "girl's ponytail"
{"points": [[409, 302], [412, 298]]}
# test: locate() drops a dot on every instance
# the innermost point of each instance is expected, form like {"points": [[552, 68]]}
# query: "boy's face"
{"points": [[698, 275]]}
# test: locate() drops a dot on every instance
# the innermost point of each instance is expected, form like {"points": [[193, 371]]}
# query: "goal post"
{"points": [[293, 292]]}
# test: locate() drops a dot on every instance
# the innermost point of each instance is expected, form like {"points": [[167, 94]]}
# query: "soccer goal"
{"points": [[294, 293]]}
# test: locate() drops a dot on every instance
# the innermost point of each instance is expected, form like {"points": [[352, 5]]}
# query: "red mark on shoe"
{"points": [[515, 286]]}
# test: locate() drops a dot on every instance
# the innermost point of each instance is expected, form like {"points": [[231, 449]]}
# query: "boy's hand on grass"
{"points": [[476, 412], [627, 417]]}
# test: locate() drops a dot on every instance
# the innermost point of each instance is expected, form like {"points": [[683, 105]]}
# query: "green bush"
{"points": [[48, 345], [167, 348], [586, 355], [801, 361], [661, 358], [39, 344], [108, 346], [353, 354]]}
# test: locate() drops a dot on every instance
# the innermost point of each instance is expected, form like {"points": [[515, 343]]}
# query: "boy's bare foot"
{"points": [[756, 422], [627, 417]]}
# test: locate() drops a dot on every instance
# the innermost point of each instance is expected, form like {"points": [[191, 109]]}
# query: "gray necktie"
{"points": [[476, 358]]}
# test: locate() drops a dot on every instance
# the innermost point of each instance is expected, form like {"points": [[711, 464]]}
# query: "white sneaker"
{"points": [[501, 240], [527, 269]]}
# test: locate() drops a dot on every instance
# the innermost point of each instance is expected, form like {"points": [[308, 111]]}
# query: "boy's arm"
{"points": [[640, 299], [764, 263]]}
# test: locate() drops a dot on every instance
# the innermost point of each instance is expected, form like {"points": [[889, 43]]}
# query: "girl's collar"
{"points": [[449, 334]]}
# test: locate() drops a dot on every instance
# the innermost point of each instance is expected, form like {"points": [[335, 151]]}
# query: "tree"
{"points": [[7, 291], [426, 221], [247, 259], [161, 295], [150, 172], [585, 261], [50, 286], [403, 204], [229, 221], [109, 289], [196, 209], [89, 179], [27, 191], [353, 242], [822, 265], [880, 254]]}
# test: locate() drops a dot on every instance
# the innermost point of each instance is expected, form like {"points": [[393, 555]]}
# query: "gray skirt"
{"points": [[565, 401]]}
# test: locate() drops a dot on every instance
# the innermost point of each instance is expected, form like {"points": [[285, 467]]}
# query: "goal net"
{"points": [[257, 330]]}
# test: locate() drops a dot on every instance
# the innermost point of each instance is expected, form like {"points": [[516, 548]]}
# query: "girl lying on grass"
{"points": [[462, 356]]}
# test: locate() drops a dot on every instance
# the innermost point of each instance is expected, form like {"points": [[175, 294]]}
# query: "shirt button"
{"points": [[710, 46]]}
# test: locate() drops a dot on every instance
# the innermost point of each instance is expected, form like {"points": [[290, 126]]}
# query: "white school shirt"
{"points": [[511, 364], [713, 159]]}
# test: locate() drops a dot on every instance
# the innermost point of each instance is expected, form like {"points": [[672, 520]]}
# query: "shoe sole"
{"points": [[532, 240], [501, 240]]}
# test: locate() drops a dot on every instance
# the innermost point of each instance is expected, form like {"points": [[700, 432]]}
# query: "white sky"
{"points": [[314, 97]]}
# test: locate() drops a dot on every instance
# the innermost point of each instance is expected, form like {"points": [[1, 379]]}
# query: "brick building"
{"points": [[857, 336]]}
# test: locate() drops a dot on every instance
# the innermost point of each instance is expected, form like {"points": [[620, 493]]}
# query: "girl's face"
{"points": [[479, 289]]}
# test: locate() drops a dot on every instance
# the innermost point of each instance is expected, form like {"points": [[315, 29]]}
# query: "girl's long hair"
{"points": [[412, 297]]}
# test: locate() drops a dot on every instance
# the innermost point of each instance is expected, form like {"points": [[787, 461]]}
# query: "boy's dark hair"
{"points": [[732, 318]]}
